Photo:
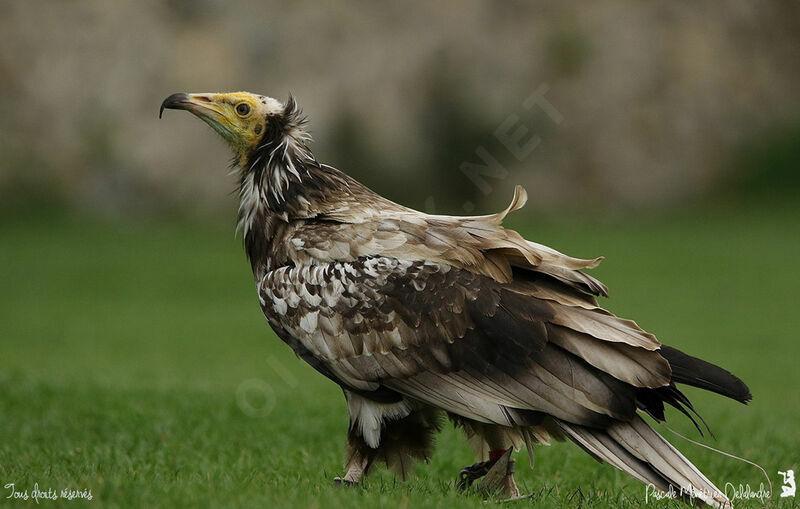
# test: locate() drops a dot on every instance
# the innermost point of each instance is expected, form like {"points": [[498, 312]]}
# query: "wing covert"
{"points": [[491, 351]]}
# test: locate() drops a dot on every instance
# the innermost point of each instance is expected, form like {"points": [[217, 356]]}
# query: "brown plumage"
{"points": [[416, 316]]}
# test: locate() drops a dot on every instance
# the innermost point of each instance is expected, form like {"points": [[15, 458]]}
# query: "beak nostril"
{"points": [[203, 98]]}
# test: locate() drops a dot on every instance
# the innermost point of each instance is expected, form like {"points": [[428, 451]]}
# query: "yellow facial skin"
{"points": [[239, 117]]}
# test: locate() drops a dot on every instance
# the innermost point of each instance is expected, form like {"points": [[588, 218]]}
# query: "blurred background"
{"points": [[661, 103], [665, 136]]}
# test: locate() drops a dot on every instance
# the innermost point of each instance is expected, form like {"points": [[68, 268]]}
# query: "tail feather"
{"points": [[637, 449], [699, 373]]}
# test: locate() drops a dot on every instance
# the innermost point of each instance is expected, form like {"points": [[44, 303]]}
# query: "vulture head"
{"points": [[246, 121]]}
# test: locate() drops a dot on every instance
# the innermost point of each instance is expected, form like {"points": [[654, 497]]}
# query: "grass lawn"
{"points": [[134, 361]]}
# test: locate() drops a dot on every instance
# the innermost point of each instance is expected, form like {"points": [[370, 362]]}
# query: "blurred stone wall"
{"points": [[645, 104]]}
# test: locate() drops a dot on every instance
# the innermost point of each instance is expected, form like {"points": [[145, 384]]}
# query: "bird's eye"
{"points": [[243, 109]]}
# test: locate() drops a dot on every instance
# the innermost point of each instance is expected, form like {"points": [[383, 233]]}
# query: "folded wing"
{"points": [[494, 352]]}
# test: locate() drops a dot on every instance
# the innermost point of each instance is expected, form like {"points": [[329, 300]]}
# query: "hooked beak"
{"points": [[200, 104], [204, 107]]}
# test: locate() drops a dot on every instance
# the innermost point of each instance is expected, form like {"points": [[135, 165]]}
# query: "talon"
{"points": [[472, 473], [338, 481]]}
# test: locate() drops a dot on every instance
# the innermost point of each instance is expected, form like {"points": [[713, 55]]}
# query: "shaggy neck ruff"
{"points": [[273, 174]]}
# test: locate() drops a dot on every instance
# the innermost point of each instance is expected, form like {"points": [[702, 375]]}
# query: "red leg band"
{"points": [[496, 454]]}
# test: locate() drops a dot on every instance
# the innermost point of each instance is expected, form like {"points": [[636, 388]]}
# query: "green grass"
{"points": [[125, 352]]}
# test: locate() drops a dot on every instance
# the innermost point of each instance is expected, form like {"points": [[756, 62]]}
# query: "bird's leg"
{"points": [[498, 474], [472, 473], [355, 471], [498, 471], [511, 489], [500, 477], [357, 465]]}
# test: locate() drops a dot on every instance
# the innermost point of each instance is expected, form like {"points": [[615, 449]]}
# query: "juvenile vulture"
{"points": [[417, 315]]}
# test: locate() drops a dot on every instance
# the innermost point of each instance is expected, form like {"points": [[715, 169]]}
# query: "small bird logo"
{"points": [[788, 489]]}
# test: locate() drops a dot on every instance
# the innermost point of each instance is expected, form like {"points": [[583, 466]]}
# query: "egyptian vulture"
{"points": [[416, 316]]}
